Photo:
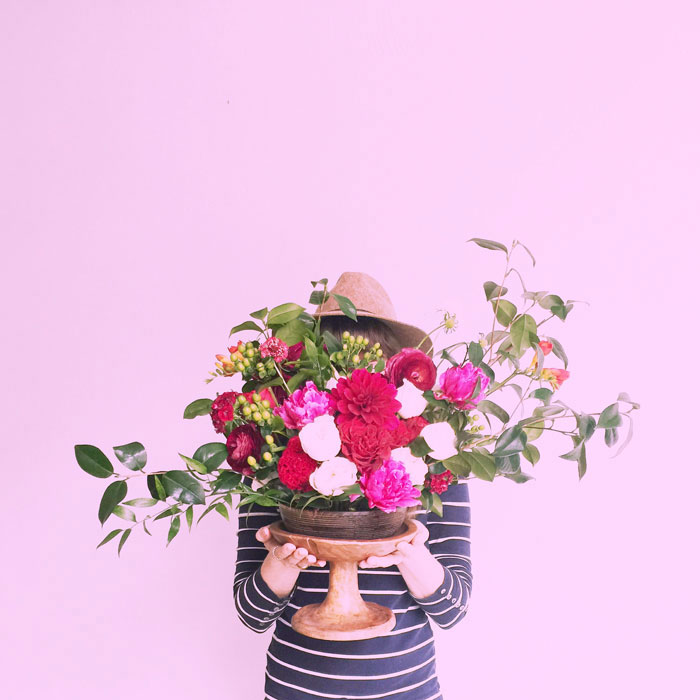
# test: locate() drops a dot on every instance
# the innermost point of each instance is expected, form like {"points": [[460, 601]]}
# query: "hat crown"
{"points": [[368, 296]]}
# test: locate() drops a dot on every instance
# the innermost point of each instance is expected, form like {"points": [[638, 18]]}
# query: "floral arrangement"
{"points": [[331, 423]]}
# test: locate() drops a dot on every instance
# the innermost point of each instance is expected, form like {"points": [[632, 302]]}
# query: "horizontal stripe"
{"points": [[354, 656]]}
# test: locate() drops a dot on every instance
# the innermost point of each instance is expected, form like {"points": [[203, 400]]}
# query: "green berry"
{"points": [[269, 440], [267, 456]]}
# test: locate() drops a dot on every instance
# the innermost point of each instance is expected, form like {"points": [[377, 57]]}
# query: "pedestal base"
{"points": [[313, 621]]}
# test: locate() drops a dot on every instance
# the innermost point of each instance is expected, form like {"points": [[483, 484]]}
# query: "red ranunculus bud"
{"points": [[243, 442], [414, 365]]}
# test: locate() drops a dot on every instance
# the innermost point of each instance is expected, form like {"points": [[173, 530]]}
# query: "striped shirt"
{"points": [[399, 665]]}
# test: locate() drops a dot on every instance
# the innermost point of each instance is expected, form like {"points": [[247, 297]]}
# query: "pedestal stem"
{"points": [[343, 590]]}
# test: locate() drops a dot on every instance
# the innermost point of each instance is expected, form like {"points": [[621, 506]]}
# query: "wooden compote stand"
{"points": [[343, 615]]}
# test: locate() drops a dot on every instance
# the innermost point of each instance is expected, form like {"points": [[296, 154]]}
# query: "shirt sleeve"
{"points": [[449, 542], [256, 604]]}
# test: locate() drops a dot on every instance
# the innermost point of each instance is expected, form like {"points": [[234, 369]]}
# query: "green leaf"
{"points": [[459, 464], [94, 461], [124, 513], [141, 502], [558, 350], [522, 245], [131, 455], [199, 407], [221, 510], [346, 306], [547, 411], [155, 487], [519, 477], [123, 539], [488, 244], [300, 378], [523, 334], [145, 529], [489, 372], [624, 396], [311, 349], [510, 442], [505, 313], [508, 465], [482, 464], [212, 455], [323, 282], [111, 535], [582, 464], [174, 529], [189, 514], [436, 505], [332, 343], [354, 489], [183, 487], [551, 300], [172, 510], [610, 436], [610, 417], [318, 297], [586, 425], [195, 464], [291, 333], [476, 354], [533, 430], [259, 314], [542, 394], [486, 406], [419, 447], [493, 290], [531, 454], [245, 326], [113, 495], [284, 313]]}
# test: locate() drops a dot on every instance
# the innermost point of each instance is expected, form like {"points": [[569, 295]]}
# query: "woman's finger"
{"points": [[263, 534], [374, 562], [421, 535]]}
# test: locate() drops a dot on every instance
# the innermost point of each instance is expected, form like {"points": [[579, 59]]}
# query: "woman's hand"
{"points": [[421, 571], [282, 565]]}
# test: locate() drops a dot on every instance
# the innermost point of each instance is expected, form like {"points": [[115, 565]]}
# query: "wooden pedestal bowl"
{"points": [[343, 615]]}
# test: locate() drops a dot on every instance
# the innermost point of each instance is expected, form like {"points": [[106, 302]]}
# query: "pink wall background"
{"points": [[169, 167]]}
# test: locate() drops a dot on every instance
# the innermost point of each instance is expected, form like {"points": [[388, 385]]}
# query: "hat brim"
{"points": [[408, 336]]}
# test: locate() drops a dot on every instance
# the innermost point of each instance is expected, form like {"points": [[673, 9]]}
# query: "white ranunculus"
{"points": [[320, 439], [332, 383], [415, 466], [333, 475], [441, 439], [413, 402]]}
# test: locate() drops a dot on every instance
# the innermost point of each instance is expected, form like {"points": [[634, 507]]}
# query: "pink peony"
{"points": [[304, 405], [414, 365], [389, 487], [367, 396], [457, 385]]}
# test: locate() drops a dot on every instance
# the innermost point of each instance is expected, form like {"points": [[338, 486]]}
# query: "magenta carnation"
{"points": [[389, 487], [458, 383], [368, 396], [304, 405]]}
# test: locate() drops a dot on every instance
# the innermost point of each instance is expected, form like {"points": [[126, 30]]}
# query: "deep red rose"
{"points": [[438, 483], [414, 365], [243, 442], [368, 396], [295, 466], [222, 409], [365, 444], [293, 354], [407, 431]]}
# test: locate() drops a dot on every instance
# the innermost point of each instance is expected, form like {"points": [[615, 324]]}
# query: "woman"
{"points": [[417, 582]]}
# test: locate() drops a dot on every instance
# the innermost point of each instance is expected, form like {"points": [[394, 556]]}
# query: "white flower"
{"points": [[413, 402], [441, 439], [332, 383], [257, 484], [415, 466], [320, 439], [334, 474]]}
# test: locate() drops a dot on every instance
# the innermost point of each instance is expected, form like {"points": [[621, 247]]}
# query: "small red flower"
{"points": [[275, 348], [414, 365], [438, 483], [554, 376], [295, 466], [222, 409]]}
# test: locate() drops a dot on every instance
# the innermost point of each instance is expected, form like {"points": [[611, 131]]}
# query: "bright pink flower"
{"points": [[368, 396], [389, 487], [546, 346], [275, 348], [414, 365], [304, 405], [458, 383]]}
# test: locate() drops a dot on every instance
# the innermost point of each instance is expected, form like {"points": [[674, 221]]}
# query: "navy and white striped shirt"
{"points": [[399, 665]]}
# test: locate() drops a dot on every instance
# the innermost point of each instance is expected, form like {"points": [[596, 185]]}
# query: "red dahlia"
{"points": [[367, 396], [222, 409], [244, 441], [295, 466], [365, 444]]}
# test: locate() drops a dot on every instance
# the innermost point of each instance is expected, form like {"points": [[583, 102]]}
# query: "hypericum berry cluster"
{"points": [[246, 359], [267, 456], [255, 408], [356, 352]]}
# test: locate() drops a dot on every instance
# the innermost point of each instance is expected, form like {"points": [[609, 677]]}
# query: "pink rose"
{"points": [[389, 487], [414, 365], [458, 383]]}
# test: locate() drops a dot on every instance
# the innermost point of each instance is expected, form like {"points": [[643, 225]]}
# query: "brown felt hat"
{"points": [[371, 300]]}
